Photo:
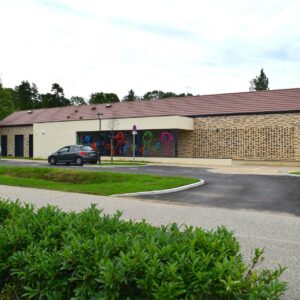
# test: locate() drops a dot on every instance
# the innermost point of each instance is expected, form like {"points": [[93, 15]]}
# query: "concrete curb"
{"points": [[20, 160], [160, 192], [114, 166]]}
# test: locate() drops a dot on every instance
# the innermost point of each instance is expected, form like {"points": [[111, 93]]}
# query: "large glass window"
{"points": [[148, 143]]}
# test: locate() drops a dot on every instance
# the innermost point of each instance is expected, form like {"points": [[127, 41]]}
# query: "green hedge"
{"points": [[50, 254]]}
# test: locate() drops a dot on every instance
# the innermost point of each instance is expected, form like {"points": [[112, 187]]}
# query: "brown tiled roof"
{"points": [[287, 100]]}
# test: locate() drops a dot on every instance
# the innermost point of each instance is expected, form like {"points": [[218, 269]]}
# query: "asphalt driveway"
{"points": [[275, 193], [258, 192]]}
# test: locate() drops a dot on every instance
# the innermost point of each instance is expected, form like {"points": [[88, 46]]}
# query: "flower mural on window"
{"points": [[147, 140], [166, 139], [120, 139], [87, 140], [126, 148], [156, 143]]}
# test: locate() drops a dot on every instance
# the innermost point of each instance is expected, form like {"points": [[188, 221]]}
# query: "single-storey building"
{"points": [[247, 126]]}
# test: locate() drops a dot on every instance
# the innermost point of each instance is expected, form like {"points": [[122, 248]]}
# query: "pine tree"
{"points": [[259, 83], [131, 96]]}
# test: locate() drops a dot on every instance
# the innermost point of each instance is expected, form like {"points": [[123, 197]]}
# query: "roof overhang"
{"points": [[164, 122], [143, 123]]}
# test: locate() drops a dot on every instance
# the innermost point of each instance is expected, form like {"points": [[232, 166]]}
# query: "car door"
{"points": [[73, 153], [62, 155]]}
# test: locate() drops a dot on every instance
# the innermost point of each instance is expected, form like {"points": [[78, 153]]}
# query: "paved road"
{"points": [[274, 193], [279, 234]]}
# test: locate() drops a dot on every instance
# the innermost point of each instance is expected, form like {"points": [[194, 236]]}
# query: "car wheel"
{"points": [[79, 161], [52, 161]]}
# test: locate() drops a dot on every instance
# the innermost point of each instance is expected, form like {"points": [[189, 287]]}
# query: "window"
{"points": [[87, 148], [63, 150], [74, 149]]}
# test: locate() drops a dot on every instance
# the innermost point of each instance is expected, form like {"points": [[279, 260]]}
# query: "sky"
{"points": [[191, 46]]}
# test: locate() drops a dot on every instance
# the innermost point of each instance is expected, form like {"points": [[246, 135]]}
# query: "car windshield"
{"points": [[86, 148]]}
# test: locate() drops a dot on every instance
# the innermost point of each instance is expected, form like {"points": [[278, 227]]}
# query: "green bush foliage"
{"points": [[51, 254]]}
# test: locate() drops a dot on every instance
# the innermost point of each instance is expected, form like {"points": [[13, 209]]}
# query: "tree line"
{"points": [[26, 96]]}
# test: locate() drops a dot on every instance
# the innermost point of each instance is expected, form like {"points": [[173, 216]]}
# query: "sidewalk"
{"points": [[255, 170], [278, 233]]}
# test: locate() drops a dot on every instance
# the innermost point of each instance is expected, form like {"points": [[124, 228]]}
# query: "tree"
{"points": [[26, 96], [76, 100], [58, 92], [112, 97], [131, 96], [35, 96], [162, 95], [97, 98], [153, 95], [259, 83], [169, 95], [6, 101], [185, 95], [112, 125], [45, 100], [54, 99]]}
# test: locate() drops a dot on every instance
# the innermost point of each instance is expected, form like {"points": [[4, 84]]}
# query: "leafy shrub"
{"points": [[51, 254]]}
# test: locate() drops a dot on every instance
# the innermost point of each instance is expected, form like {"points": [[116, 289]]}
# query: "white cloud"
{"points": [[182, 46]]}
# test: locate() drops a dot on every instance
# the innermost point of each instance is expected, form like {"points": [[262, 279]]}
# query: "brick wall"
{"points": [[186, 143], [16, 130], [262, 137]]}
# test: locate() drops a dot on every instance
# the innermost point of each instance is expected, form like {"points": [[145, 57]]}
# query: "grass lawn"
{"points": [[295, 173], [87, 182]]}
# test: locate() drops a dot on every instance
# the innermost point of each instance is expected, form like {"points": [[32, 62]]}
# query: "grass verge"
{"points": [[88, 182], [295, 173]]}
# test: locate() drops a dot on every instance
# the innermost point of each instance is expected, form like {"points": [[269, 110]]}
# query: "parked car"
{"points": [[77, 154]]}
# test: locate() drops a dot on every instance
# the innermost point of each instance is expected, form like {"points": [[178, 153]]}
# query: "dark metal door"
{"points": [[19, 145], [4, 145], [30, 145]]}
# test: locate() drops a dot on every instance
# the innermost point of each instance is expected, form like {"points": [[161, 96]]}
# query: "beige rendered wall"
{"points": [[251, 137], [49, 137], [16, 130]]}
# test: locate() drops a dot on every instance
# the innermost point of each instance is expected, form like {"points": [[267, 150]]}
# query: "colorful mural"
{"points": [[149, 143]]}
